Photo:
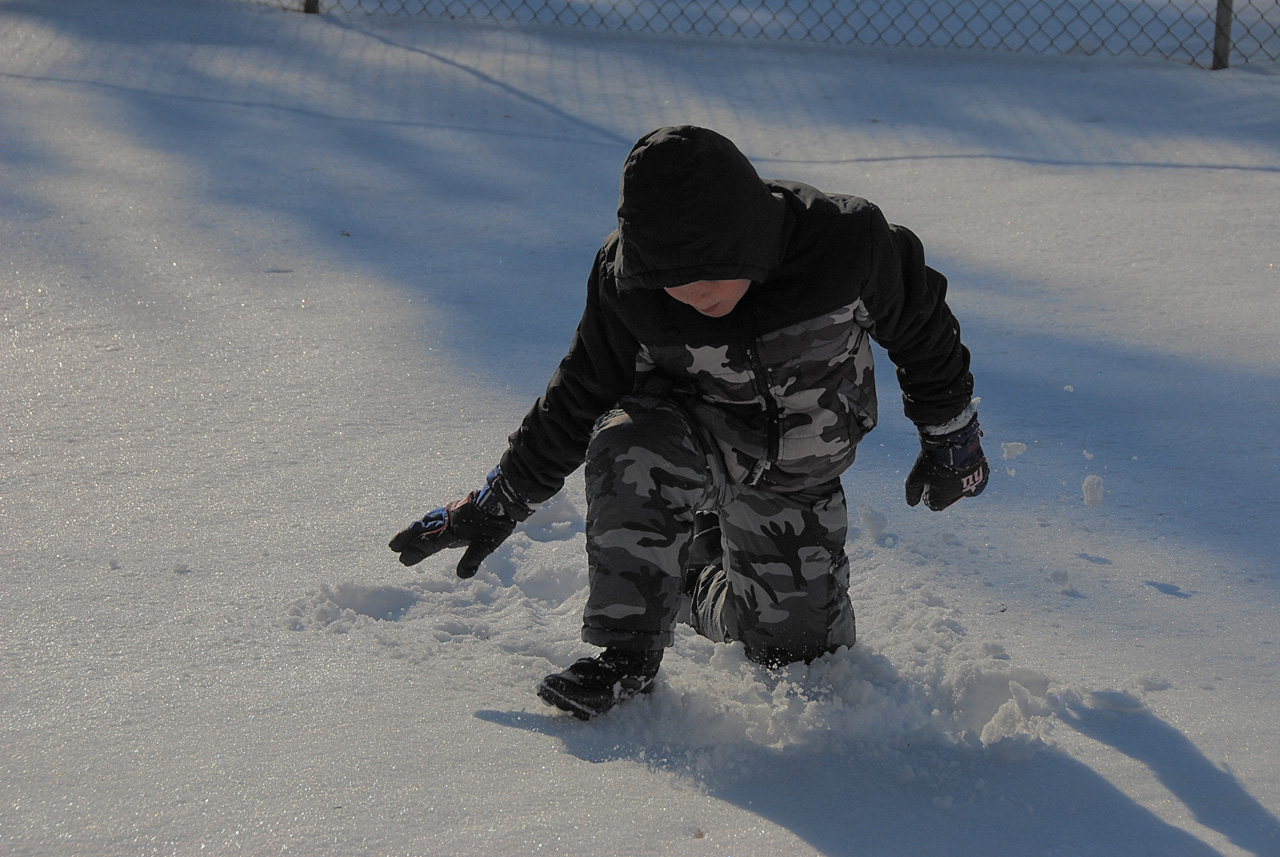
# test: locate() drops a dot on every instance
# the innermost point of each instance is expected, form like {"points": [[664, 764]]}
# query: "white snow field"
{"points": [[273, 285]]}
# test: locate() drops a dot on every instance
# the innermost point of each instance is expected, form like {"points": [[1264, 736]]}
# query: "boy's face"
{"points": [[714, 298]]}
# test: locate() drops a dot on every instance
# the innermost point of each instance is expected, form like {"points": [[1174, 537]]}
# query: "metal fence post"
{"points": [[1222, 36], [312, 7]]}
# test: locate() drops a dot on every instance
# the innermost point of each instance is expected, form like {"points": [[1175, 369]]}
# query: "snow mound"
{"points": [[339, 608], [915, 678]]}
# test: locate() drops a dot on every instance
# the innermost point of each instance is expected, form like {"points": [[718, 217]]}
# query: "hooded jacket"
{"points": [[783, 384]]}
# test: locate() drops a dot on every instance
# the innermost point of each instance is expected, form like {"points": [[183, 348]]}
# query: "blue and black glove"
{"points": [[950, 466], [479, 522]]}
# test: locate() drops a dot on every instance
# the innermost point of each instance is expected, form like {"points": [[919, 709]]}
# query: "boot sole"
{"points": [[551, 697], [549, 694]]}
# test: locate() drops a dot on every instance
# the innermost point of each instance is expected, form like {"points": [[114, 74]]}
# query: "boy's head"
{"points": [[692, 209], [714, 298]]}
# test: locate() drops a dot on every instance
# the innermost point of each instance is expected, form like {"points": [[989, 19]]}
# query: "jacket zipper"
{"points": [[773, 419]]}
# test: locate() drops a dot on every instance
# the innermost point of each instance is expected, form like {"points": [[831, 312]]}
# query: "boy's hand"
{"points": [[949, 467], [480, 522]]}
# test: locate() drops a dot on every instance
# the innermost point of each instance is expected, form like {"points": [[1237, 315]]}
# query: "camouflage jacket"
{"points": [[784, 383]]}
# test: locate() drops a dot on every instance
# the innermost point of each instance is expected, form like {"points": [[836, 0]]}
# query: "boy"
{"points": [[716, 388]]}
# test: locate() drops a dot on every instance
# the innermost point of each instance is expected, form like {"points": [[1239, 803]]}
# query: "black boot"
{"points": [[594, 685], [704, 550]]}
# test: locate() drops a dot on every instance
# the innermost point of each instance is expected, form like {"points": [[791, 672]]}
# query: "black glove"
{"points": [[950, 466], [480, 521]]}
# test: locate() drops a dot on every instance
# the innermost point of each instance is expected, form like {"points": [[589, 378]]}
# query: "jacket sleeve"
{"points": [[599, 369], [906, 301]]}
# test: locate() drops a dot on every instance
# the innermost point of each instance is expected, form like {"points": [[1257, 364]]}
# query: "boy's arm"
{"points": [[549, 444], [906, 300], [599, 369]]}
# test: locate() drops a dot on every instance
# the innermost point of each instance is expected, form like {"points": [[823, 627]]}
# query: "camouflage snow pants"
{"points": [[781, 582]]}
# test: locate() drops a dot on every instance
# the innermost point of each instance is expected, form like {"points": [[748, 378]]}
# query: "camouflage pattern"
{"points": [[647, 472], [786, 408], [781, 586], [782, 583]]}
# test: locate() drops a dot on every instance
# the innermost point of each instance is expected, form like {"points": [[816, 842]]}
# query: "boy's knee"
{"points": [[780, 626], [643, 427], [638, 418]]}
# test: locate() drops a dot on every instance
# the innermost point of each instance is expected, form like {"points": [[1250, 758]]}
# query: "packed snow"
{"points": [[273, 285]]}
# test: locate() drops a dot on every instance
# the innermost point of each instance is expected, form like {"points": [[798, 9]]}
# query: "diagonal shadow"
{"points": [[1214, 796], [838, 802], [416, 222], [1104, 163], [489, 81], [896, 803], [1124, 413]]}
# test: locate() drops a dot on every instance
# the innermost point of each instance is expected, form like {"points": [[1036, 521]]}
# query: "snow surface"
{"points": [[273, 285]]}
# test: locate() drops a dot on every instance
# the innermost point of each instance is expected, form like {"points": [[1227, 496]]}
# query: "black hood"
{"points": [[691, 207]]}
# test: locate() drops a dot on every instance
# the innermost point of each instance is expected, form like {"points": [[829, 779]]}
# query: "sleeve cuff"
{"points": [[953, 425]]}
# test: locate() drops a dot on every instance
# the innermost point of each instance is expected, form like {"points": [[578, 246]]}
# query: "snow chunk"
{"points": [[1092, 488], [1013, 450], [873, 521]]}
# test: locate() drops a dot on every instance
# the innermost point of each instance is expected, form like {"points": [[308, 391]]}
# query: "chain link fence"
{"points": [[1206, 33]]}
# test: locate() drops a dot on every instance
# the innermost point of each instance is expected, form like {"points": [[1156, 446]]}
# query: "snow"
{"points": [[273, 285]]}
